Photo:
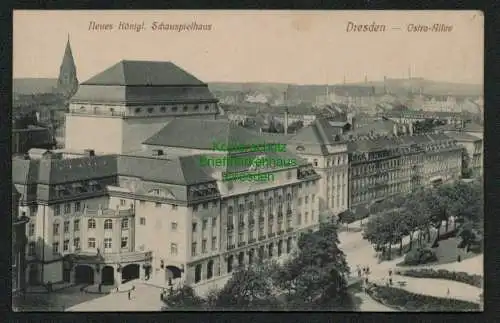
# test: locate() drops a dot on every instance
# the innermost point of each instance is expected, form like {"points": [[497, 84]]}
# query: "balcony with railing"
{"points": [[110, 213]]}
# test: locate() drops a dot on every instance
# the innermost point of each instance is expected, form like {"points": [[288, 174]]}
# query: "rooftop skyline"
{"points": [[299, 47]]}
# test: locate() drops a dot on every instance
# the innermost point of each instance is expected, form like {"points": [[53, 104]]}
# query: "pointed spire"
{"points": [[68, 81]]}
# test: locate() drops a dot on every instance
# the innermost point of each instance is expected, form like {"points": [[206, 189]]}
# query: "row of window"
{"points": [[194, 246], [91, 224], [91, 244], [172, 109]]}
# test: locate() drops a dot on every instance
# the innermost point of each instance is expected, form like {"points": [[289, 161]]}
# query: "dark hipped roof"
{"points": [[388, 142], [184, 170], [315, 137], [140, 94], [201, 134], [145, 73], [176, 170]]}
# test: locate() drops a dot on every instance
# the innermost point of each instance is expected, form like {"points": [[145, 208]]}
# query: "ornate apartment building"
{"points": [[130, 101], [380, 167], [320, 145], [160, 213]]}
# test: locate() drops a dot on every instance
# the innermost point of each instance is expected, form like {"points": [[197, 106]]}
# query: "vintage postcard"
{"points": [[247, 160]]}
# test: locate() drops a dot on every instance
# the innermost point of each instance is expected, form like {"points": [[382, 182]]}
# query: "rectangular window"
{"points": [[78, 206], [66, 245], [124, 242], [66, 226], [157, 204], [31, 230], [142, 203], [214, 243], [91, 243], [240, 236], [76, 243], [195, 208], [205, 206], [193, 249], [173, 226], [123, 202], [204, 246], [204, 224], [142, 221], [173, 249], [214, 222], [67, 208], [57, 209], [156, 192], [76, 225], [107, 243], [194, 226], [31, 249], [174, 207], [55, 228], [55, 248]]}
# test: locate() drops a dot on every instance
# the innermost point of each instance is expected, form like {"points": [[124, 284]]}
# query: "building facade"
{"points": [[380, 167], [130, 101], [473, 151], [18, 247], [320, 145], [159, 214]]}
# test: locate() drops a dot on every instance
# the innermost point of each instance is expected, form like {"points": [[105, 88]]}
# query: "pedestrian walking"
{"points": [[459, 259], [100, 287], [367, 270], [448, 292], [390, 272], [359, 272], [390, 281], [129, 295]]}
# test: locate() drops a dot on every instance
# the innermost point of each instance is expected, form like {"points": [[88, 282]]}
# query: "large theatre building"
{"points": [[117, 109], [159, 213]]}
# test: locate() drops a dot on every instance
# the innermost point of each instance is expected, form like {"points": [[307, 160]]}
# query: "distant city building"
{"points": [[473, 145], [160, 213], [382, 166], [132, 100], [411, 116], [31, 137]]}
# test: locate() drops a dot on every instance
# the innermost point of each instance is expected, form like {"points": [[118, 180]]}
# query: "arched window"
{"points": [[91, 224], [108, 224], [124, 224]]}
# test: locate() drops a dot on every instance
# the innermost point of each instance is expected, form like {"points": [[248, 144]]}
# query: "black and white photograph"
{"points": [[218, 160]]}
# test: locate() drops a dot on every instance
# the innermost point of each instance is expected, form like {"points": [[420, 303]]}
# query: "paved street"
{"points": [[56, 301], [144, 298]]}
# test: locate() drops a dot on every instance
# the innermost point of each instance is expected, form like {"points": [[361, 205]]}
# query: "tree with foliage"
{"points": [[314, 278], [184, 298]]}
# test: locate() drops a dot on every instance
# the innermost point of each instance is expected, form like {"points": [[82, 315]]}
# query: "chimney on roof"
{"points": [[157, 152], [89, 152]]}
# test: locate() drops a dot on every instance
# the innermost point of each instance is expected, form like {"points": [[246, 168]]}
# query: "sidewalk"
{"points": [[42, 289]]}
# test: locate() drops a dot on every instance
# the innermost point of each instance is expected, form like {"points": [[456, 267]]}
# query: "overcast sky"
{"points": [[304, 47]]}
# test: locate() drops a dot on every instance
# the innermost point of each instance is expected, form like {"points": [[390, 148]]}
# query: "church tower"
{"points": [[67, 83]]}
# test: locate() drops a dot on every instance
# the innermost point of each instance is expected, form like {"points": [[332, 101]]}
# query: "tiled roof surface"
{"points": [[316, 136], [137, 73], [138, 94], [462, 136], [201, 134], [183, 170], [377, 127], [380, 143]]}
